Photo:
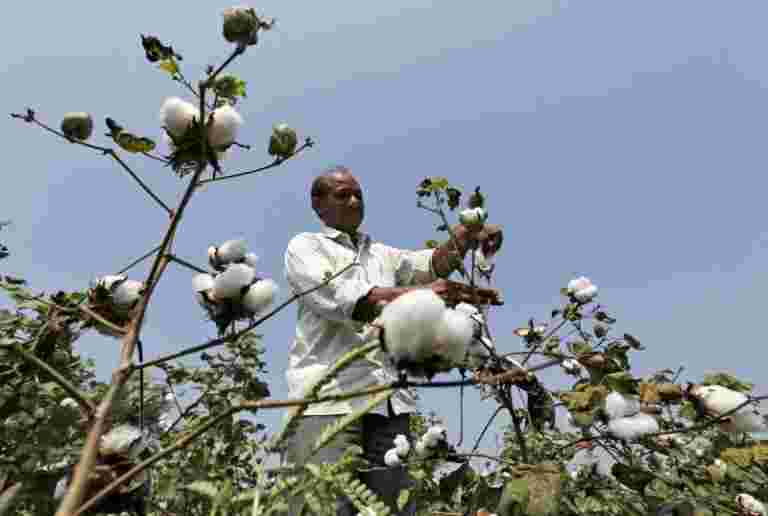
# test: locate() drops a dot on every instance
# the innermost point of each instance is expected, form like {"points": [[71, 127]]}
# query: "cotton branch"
{"points": [[29, 117], [277, 162]]}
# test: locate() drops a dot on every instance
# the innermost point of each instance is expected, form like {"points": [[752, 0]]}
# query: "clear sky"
{"points": [[617, 139]]}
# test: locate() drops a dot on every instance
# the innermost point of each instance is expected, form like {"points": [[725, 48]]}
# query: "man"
{"points": [[333, 320]]}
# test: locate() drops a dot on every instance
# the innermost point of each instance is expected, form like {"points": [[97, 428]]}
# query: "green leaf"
{"points": [[203, 488], [431, 244], [623, 382], [579, 347], [727, 380], [170, 66], [402, 499]]}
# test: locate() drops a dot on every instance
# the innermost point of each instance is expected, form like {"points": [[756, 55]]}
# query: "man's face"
{"points": [[342, 207]]}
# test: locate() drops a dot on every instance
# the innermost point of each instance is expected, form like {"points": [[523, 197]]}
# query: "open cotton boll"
{"points": [[223, 131], [122, 440], [435, 434], [176, 115], [392, 459], [402, 445], [466, 308], [717, 400], [127, 293], [259, 296], [749, 505], [453, 334], [250, 259], [633, 427], [231, 251], [230, 283], [587, 294], [202, 282], [108, 281], [409, 324], [619, 405]]}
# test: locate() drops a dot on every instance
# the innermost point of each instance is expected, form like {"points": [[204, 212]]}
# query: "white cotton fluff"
{"points": [[618, 405], [127, 293], [108, 281], [392, 459], [750, 505], [202, 282], [453, 335], [571, 366], [466, 308], [259, 296], [435, 434], [633, 427], [718, 400], [230, 283], [68, 403], [582, 289], [409, 324], [230, 251], [176, 115], [402, 445], [223, 131], [123, 440], [250, 259]]}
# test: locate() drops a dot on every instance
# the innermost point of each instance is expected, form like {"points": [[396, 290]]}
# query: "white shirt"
{"points": [[325, 330]]}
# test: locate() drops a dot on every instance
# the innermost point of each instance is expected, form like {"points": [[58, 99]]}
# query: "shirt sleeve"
{"points": [[413, 267], [307, 267]]}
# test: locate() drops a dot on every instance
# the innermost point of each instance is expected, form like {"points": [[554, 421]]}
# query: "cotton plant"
{"points": [[233, 291], [748, 505], [422, 336]]}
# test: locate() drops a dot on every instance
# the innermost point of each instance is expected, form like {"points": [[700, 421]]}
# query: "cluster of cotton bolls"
{"points": [[423, 336], [428, 444], [180, 120], [625, 421], [114, 297], [716, 401], [234, 291]]}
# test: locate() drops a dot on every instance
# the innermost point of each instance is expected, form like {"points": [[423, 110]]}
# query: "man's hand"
{"points": [[490, 238], [453, 293]]}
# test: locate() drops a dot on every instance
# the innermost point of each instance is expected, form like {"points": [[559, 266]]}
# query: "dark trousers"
{"points": [[375, 434]]}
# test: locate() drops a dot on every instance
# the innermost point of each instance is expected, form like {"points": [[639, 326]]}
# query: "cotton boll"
{"points": [[579, 283], [223, 131], [619, 405], [582, 289], [250, 259], [402, 446], [466, 308], [392, 459], [453, 335], [745, 421], [633, 427], [230, 283], [123, 440], [61, 487], [259, 296], [231, 251], [749, 505], [409, 325], [127, 293], [202, 282], [436, 434], [108, 281], [717, 400], [176, 116], [586, 295]]}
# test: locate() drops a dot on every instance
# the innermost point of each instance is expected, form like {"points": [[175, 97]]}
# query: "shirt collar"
{"points": [[341, 237]]}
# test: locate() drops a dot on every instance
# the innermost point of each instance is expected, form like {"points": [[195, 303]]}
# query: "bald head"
{"points": [[338, 199]]}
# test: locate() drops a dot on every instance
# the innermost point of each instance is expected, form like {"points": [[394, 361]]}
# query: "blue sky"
{"points": [[621, 140]]}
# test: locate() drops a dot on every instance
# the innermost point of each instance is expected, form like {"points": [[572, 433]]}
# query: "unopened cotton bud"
{"points": [[77, 126], [127, 293], [231, 282], [402, 445], [241, 25], [750, 506], [473, 217], [619, 405], [633, 427], [259, 296], [283, 142], [176, 116], [223, 130], [392, 459], [109, 281], [453, 335]]}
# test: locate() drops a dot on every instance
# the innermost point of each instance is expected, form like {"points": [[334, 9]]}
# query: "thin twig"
{"points": [[101, 320], [186, 264], [279, 161], [486, 427], [141, 183], [138, 260]]}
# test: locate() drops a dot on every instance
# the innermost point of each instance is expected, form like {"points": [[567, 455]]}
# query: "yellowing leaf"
{"points": [[170, 66]]}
